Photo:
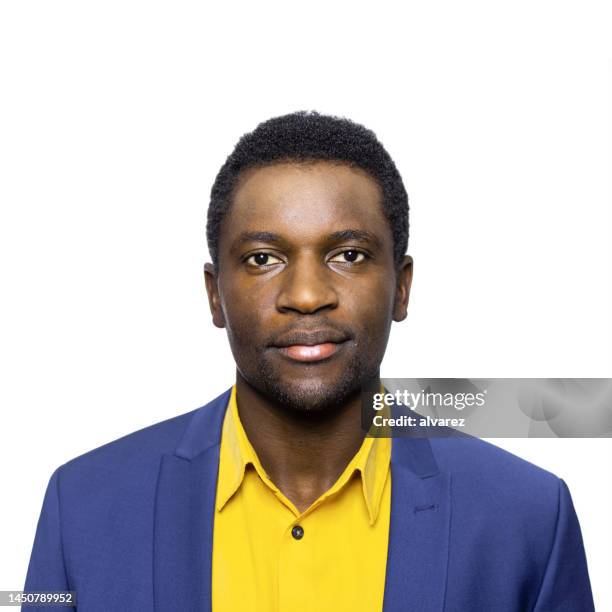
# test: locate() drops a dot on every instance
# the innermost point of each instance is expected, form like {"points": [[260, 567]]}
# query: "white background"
{"points": [[114, 119]]}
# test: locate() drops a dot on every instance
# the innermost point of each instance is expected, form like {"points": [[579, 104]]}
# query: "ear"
{"points": [[402, 290], [214, 299]]}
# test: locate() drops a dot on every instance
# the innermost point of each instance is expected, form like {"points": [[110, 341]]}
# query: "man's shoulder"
{"points": [[483, 473], [158, 438], [125, 467], [135, 453]]}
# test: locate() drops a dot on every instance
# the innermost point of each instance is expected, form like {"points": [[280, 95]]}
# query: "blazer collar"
{"points": [[204, 428], [185, 509]]}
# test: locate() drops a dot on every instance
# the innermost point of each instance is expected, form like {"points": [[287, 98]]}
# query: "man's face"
{"points": [[306, 285]]}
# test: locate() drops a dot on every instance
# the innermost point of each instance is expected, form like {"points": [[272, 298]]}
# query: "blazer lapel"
{"points": [[184, 514], [419, 529]]}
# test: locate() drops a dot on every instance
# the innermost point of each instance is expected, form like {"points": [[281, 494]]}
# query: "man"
{"points": [[271, 497]]}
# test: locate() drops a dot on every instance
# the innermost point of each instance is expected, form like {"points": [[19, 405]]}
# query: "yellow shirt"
{"points": [[260, 562]]}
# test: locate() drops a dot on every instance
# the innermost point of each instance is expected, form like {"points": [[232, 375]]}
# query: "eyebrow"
{"points": [[346, 234], [258, 237], [356, 234]]}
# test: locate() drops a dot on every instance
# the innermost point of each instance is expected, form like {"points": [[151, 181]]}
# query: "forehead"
{"points": [[305, 201]]}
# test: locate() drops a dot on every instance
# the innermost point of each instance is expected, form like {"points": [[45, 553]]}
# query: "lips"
{"points": [[310, 346], [303, 352]]}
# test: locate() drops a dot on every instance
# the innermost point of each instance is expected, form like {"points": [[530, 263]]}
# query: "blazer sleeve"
{"points": [[46, 571], [566, 586]]}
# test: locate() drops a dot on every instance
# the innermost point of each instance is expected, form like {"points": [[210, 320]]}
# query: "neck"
{"points": [[302, 453]]}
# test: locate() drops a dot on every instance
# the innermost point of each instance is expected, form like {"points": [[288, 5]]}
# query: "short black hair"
{"points": [[310, 136]]}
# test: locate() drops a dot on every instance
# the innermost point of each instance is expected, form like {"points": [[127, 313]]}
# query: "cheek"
{"points": [[246, 313], [372, 310]]}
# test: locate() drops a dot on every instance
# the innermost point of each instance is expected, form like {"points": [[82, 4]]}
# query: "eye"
{"points": [[350, 256], [260, 260]]}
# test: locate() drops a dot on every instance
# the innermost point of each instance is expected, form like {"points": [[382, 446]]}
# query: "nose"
{"points": [[307, 287]]}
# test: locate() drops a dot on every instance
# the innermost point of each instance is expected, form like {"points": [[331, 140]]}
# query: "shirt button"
{"points": [[297, 532]]}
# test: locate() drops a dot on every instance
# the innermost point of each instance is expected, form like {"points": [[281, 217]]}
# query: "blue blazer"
{"points": [[129, 526]]}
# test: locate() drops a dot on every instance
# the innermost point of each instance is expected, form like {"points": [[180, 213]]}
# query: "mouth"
{"points": [[309, 353], [310, 347]]}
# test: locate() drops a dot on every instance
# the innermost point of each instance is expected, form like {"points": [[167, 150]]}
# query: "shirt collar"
{"points": [[236, 453]]}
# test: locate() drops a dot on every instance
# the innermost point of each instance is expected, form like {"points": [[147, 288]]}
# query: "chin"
{"points": [[310, 391], [312, 395]]}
